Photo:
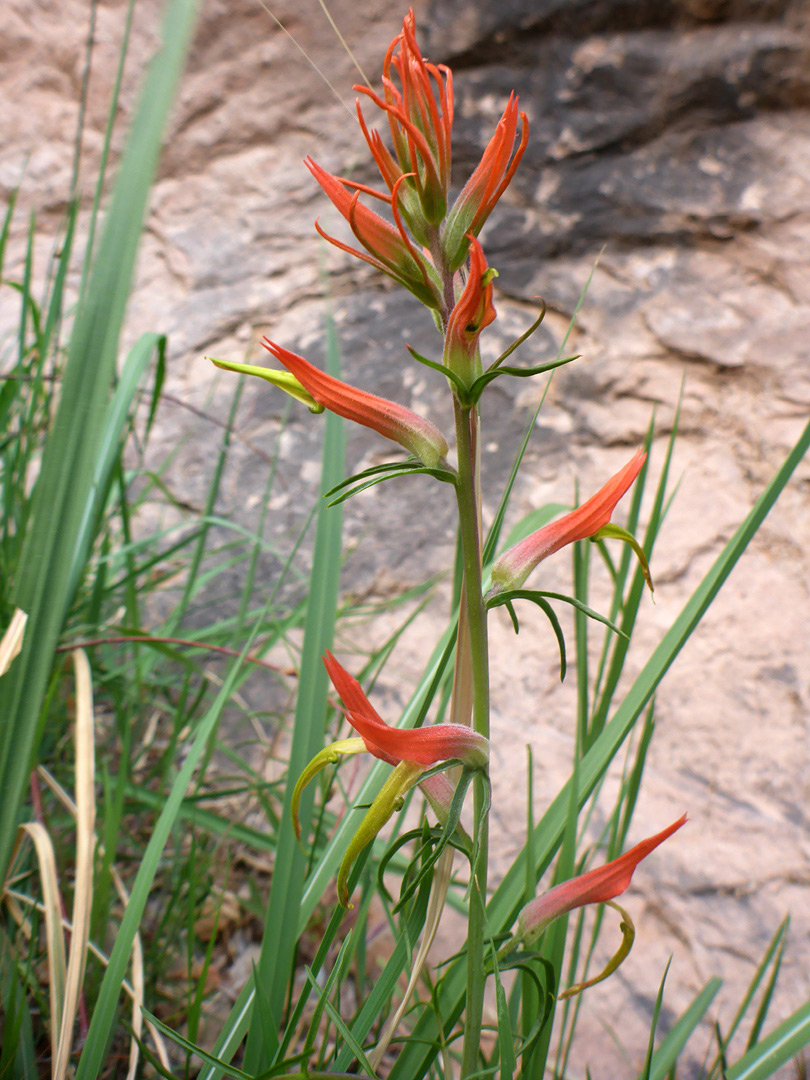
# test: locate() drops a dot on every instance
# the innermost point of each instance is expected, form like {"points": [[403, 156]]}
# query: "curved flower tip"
{"points": [[330, 755], [512, 568], [597, 886], [424, 746], [417, 435], [473, 311], [388, 247], [486, 185], [282, 379], [420, 115]]}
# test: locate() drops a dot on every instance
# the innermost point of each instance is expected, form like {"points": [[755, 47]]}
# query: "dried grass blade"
{"points": [[11, 642], [53, 925], [85, 813]]}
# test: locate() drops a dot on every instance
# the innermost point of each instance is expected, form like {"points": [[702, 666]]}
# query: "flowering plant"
{"points": [[428, 243]]}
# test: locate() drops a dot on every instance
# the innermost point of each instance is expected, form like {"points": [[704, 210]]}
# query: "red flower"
{"points": [[473, 311], [513, 567], [486, 185], [420, 115], [594, 887], [424, 746], [410, 751], [393, 421], [390, 249]]}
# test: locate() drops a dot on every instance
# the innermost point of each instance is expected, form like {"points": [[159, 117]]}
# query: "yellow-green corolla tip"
{"points": [[330, 755], [389, 799], [616, 532], [282, 379]]}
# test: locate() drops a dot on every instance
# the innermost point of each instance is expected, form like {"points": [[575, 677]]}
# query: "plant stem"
{"points": [[469, 513]]}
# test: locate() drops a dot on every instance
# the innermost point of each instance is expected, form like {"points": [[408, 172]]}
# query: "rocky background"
{"points": [[672, 136]]}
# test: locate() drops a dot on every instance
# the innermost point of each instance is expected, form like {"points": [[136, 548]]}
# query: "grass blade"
{"points": [[666, 1056], [766, 1057], [68, 462]]}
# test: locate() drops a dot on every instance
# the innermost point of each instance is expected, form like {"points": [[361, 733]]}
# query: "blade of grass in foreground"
{"points": [[664, 1059], [420, 1050], [273, 970], [68, 463], [780, 1046]]}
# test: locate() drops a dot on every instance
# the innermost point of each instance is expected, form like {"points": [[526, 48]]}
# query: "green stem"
{"points": [[469, 514]]}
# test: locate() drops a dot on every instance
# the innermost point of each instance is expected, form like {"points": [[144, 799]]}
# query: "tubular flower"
{"points": [[395, 422], [426, 746], [282, 379], [410, 751], [389, 249], [512, 568], [473, 311], [597, 886], [486, 185], [420, 115]]}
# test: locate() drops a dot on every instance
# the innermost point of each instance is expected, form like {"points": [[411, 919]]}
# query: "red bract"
{"points": [[514, 566], [486, 185], [473, 311], [424, 746], [420, 115], [395, 422], [389, 249], [594, 887]]}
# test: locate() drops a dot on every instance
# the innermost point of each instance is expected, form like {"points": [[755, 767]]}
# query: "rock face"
{"points": [[673, 138]]}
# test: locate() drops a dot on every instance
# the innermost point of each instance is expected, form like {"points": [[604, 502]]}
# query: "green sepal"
{"points": [[389, 799], [378, 474], [458, 383], [541, 598], [616, 532], [452, 832], [284, 380], [528, 961], [621, 954], [330, 755], [494, 599], [470, 395], [493, 371]]}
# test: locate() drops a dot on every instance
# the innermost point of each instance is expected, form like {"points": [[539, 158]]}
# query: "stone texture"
{"points": [[673, 138]]}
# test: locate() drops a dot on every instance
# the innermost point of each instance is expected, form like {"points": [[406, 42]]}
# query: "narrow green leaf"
{"points": [[762, 1060], [659, 1000], [482, 382], [666, 1056], [68, 463], [506, 1048], [192, 1048], [116, 415]]}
